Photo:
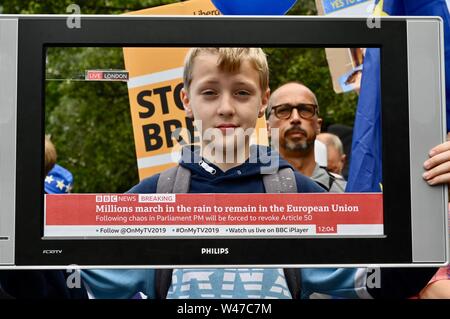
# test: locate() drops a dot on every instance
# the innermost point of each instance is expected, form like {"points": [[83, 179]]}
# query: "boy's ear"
{"points": [[268, 129], [264, 103], [319, 125], [186, 103], [343, 159]]}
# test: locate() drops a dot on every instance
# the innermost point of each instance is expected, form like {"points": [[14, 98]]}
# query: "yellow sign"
{"points": [[154, 92]]}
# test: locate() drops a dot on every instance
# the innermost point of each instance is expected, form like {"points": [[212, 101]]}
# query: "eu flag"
{"points": [[365, 166], [365, 173]]}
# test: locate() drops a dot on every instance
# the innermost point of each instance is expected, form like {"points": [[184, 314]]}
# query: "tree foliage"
{"points": [[310, 67], [90, 122], [86, 6]]}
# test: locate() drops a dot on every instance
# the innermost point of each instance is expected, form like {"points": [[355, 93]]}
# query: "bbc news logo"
{"points": [[106, 199]]}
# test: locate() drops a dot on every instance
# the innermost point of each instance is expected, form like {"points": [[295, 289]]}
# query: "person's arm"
{"points": [[401, 283], [334, 283], [439, 285], [123, 283], [119, 283], [436, 290], [363, 283], [437, 171]]}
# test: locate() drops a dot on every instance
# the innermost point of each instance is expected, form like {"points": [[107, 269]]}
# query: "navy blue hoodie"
{"points": [[245, 178]]}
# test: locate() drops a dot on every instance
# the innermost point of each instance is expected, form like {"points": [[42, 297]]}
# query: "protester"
{"points": [[294, 111], [335, 153], [345, 134]]}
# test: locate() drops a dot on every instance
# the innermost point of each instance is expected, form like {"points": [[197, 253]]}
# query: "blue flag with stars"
{"points": [[365, 174]]}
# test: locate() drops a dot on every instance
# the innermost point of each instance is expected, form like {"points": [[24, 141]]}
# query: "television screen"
{"points": [[124, 99], [108, 147]]}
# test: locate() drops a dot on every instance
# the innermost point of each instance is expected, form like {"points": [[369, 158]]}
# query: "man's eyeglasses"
{"points": [[284, 111]]}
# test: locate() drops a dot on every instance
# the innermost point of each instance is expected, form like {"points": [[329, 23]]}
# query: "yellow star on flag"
{"points": [[60, 185], [378, 11], [49, 179]]}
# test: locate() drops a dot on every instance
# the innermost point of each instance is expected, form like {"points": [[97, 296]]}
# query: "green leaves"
{"points": [[86, 6], [90, 122]]}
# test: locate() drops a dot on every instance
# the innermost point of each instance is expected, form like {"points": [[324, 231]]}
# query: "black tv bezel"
{"points": [[35, 34]]}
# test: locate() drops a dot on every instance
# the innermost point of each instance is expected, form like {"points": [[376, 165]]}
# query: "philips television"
{"points": [[96, 226]]}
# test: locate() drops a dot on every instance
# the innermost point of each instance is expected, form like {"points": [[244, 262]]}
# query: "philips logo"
{"points": [[215, 251], [52, 251]]}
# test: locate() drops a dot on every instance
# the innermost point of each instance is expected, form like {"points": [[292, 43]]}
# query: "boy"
{"points": [[225, 91]]}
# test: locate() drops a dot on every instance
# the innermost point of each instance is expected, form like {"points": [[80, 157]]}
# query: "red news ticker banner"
{"points": [[213, 215]]}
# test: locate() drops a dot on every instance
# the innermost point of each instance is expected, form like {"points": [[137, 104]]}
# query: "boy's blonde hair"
{"points": [[230, 60]]}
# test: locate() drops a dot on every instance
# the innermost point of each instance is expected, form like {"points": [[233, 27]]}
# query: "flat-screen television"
{"points": [[112, 81]]}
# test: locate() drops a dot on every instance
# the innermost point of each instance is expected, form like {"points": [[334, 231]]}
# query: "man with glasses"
{"points": [[293, 110]]}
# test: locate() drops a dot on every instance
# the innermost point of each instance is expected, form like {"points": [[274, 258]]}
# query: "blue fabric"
{"points": [[427, 8], [58, 181], [229, 283], [331, 283], [253, 7], [119, 284], [365, 171]]}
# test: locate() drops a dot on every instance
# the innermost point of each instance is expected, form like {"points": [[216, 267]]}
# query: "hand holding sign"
{"points": [[253, 7]]}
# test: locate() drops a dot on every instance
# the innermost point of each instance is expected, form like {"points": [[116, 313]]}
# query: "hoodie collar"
{"points": [[262, 160]]}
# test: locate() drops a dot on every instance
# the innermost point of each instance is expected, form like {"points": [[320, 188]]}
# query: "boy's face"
{"points": [[226, 104]]}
